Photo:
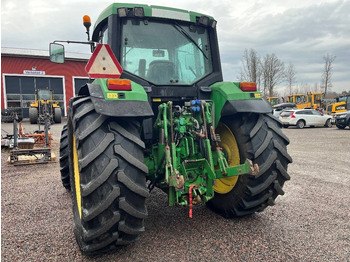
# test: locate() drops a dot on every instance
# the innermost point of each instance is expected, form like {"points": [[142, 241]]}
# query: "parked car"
{"points": [[277, 109], [342, 120], [304, 117]]}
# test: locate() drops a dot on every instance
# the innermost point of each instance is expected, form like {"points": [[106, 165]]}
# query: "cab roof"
{"points": [[152, 11]]}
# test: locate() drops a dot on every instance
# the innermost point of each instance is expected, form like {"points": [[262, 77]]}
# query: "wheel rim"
{"points": [[301, 124], [230, 148], [76, 176]]}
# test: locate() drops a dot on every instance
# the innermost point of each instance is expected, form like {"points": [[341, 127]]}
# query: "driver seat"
{"points": [[161, 72]]}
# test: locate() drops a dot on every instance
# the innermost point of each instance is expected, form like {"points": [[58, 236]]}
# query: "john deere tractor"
{"points": [[170, 122]]}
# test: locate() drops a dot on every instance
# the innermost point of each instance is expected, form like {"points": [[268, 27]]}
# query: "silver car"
{"points": [[304, 117]]}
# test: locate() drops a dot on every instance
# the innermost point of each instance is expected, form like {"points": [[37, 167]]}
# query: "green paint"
{"points": [[174, 12], [234, 171], [189, 155], [224, 91], [137, 93]]}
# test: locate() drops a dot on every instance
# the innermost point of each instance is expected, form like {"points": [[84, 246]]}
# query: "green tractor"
{"points": [[169, 122]]}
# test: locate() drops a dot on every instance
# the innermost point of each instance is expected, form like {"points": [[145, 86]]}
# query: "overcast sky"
{"points": [[300, 32]]}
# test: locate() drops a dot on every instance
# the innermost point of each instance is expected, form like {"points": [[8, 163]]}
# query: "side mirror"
{"points": [[56, 53]]}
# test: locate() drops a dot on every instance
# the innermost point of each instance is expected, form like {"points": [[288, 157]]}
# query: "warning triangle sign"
{"points": [[103, 63]]}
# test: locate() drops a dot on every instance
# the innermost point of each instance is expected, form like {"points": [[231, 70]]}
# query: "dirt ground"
{"points": [[309, 223]]}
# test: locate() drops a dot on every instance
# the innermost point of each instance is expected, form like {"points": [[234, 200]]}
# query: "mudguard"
{"points": [[132, 103], [229, 99]]}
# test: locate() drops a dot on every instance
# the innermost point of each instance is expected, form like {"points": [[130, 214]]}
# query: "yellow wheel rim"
{"points": [[76, 176], [229, 146]]}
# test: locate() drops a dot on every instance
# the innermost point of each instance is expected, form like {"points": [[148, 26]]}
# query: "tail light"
{"points": [[248, 87], [292, 115], [119, 84]]}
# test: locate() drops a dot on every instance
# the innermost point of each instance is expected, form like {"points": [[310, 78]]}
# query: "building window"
{"points": [[79, 82], [20, 90]]}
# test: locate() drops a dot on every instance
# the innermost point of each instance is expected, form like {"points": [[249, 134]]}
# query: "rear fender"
{"points": [[229, 99], [132, 103]]}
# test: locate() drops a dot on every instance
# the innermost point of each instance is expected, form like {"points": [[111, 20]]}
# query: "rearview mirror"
{"points": [[56, 53], [158, 53]]}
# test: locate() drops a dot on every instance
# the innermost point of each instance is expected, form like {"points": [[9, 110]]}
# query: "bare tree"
{"points": [[327, 72], [273, 73], [251, 67], [290, 77]]}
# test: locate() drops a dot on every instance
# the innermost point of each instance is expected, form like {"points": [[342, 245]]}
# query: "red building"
{"points": [[25, 70]]}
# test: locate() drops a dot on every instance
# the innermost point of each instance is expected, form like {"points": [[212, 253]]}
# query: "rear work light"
{"points": [[248, 87], [130, 12], [119, 84]]}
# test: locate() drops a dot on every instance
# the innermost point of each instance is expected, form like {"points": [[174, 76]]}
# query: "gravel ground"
{"points": [[309, 223]]}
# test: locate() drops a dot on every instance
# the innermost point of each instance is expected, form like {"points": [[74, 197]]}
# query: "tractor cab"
{"points": [[172, 53], [44, 94]]}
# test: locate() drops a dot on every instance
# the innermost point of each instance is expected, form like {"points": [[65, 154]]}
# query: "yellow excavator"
{"points": [[310, 100], [342, 104], [273, 100]]}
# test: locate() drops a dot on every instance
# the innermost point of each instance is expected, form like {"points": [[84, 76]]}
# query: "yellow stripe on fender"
{"points": [[76, 176]]}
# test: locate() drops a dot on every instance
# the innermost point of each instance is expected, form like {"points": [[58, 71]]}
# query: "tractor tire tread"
{"points": [[257, 202], [130, 209], [127, 135], [64, 165], [90, 235], [119, 150], [88, 214], [96, 247], [112, 176], [282, 150], [264, 145], [253, 191], [98, 150], [131, 185], [260, 139], [129, 230], [96, 124], [87, 189]]}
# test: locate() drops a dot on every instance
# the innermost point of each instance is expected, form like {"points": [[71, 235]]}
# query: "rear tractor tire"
{"points": [[108, 178], [257, 137], [64, 165]]}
